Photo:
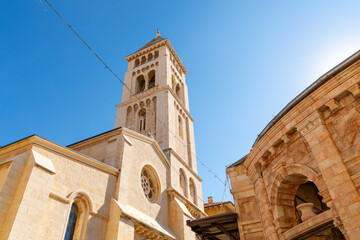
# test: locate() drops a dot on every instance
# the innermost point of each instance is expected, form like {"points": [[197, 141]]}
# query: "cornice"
{"points": [[152, 47]]}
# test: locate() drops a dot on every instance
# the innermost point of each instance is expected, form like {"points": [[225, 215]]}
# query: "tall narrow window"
{"points": [[178, 91], [192, 190], [143, 59], [70, 229], [142, 120], [180, 127], [183, 182], [156, 54]]}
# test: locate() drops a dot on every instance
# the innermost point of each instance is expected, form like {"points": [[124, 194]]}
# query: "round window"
{"points": [[149, 183]]}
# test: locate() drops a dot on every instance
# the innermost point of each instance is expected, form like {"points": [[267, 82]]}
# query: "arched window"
{"points": [[178, 91], [150, 56], [137, 62], [305, 194], [143, 59], [156, 54], [151, 76], [183, 182], [192, 190], [70, 228], [142, 120], [140, 82], [78, 217], [181, 134]]}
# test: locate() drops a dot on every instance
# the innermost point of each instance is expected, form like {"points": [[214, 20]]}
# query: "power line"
{"points": [[137, 98]]}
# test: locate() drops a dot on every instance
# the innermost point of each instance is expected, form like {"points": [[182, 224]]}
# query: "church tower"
{"points": [[155, 101]]}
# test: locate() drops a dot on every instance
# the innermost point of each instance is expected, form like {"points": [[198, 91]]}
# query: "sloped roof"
{"points": [[152, 42]]}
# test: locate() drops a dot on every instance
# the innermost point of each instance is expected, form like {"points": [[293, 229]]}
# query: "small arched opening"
{"points": [[137, 62], [156, 54], [151, 77], [150, 56], [142, 120], [140, 84], [143, 59]]}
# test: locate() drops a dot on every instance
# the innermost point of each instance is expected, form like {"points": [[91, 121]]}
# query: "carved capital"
{"points": [[310, 123]]}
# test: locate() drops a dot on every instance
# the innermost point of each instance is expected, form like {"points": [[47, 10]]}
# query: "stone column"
{"points": [[342, 190], [262, 199]]}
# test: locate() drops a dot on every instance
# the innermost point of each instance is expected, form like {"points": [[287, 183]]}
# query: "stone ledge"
{"points": [[314, 222]]}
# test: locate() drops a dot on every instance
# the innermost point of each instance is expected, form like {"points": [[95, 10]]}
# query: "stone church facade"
{"points": [[137, 181], [301, 179]]}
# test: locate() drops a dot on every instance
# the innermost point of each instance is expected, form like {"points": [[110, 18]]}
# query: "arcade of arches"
{"points": [[301, 179]]}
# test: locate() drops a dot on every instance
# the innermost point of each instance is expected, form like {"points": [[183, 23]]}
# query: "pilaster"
{"points": [[264, 204], [342, 190]]}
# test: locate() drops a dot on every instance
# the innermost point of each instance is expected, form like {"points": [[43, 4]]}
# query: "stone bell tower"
{"points": [[155, 100]]}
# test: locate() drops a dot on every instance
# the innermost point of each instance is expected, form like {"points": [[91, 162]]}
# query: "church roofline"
{"points": [[315, 85], [39, 141], [156, 44]]}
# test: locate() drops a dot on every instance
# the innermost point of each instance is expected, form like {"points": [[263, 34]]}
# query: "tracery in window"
{"points": [[143, 59], [149, 183]]}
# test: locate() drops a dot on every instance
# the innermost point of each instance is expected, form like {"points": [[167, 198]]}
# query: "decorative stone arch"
{"points": [[84, 207], [283, 191]]}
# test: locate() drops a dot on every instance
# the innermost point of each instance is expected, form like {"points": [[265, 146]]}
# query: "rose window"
{"points": [[147, 184]]}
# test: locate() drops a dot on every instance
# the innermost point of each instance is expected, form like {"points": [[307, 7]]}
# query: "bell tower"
{"points": [[155, 100]]}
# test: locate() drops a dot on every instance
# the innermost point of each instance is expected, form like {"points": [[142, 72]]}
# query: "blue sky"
{"points": [[246, 60]]}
